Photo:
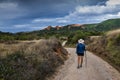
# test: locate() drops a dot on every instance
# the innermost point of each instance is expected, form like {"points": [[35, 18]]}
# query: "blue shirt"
{"points": [[80, 48]]}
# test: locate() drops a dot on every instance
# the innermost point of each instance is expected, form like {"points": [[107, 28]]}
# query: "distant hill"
{"points": [[108, 25], [66, 27], [103, 26]]}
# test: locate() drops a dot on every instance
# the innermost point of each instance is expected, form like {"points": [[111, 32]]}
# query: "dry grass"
{"points": [[113, 32], [10, 48], [34, 60], [107, 47]]}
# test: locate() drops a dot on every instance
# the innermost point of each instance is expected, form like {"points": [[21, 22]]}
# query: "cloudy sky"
{"points": [[29, 15]]}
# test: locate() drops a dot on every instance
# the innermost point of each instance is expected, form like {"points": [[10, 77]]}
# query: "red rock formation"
{"points": [[58, 27], [48, 28], [76, 25]]}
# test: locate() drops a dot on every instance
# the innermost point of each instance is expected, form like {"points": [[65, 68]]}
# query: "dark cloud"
{"points": [[25, 11], [48, 8]]}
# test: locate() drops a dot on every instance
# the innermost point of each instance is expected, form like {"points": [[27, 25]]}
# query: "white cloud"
{"points": [[109, 16], [21, 25], [97, 13], [57, 20], [113, 2], [10, 10], [94, 9], [29, 26], [111, 6], [37, 27], [8, 5], [44, 20], [63, 21]]}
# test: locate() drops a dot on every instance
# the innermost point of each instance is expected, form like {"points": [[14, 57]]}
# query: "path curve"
{"points": [[97, 69]]}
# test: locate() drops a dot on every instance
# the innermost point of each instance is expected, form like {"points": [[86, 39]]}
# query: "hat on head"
{"points": [[80, 41]]}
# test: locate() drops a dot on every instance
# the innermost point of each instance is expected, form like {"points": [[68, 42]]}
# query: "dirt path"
{"points": [[96, 69]]}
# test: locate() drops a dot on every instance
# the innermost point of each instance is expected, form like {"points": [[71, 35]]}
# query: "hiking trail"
{"points": [[96, 69]]}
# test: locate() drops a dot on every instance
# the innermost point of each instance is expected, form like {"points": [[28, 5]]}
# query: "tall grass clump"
{"points": [[36, 61]]}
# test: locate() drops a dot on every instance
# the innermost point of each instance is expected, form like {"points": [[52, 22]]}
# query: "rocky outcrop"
{"points": [[68, 27], [48, 28], [75, 26]]}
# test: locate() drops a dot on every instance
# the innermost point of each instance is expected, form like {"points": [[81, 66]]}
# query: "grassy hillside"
{"points": [[108, 25], [107, 47], [90, 27], [31, 60]]}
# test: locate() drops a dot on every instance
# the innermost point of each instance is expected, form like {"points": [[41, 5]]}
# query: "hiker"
{"points": [[80, 49]]}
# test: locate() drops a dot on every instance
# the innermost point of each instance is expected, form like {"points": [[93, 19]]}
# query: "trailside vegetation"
{"points": [[32, 61]]}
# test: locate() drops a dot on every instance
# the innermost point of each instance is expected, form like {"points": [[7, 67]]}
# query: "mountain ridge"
{"points": [[63, 31]]}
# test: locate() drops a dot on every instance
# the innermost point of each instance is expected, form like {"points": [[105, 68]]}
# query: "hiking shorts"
{"points": [[80, 54]]}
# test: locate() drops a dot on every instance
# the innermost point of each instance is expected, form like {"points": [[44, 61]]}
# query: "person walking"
{"points": [[80, 50]]}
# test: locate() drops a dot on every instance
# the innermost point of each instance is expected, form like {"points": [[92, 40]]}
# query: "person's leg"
{"points": [[79, 61]]}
